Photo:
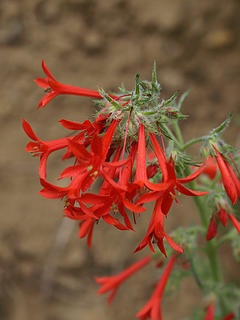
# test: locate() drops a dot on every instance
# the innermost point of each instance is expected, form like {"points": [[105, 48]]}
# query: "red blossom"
{"points": [[210, 312], [212, 229], [54, 88], [152, 309], [90, 129], [86, 229], [222, 216], [112, 283], [86, 222], [42, 148], [152, 169], [230, 316], [141, 171], [89, 166], [156, 232], [211, 168], [141, 178], [166, 189], [235, 222], [110, 199], [230, 180]]}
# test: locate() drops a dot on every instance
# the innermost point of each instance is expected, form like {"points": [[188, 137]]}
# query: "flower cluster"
{"points": [[101, 153], [133, 149]]}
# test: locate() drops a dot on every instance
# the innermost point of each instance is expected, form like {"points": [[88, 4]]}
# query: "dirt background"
{"points": [[46, 272]]}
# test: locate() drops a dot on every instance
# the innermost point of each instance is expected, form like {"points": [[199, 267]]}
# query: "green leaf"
{"points": [[108, 98], [171, 99], [182, 98], [137, 84], [156, 87], [222, 126]]}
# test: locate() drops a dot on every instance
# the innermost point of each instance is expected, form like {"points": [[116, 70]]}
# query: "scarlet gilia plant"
{"points": [[135, 151]]}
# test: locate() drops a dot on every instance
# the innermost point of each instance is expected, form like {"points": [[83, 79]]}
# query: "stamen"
{"points": [[173, 195], [95, 173]]}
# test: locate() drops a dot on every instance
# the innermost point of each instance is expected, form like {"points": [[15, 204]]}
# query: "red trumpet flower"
{"points": [[166, 189], [212, 229], [152, 309], [156, 232], [54, 88], [222, 215], [42, 148], [211, 168], [210, 312], [230, 316], [112, 283], [89, 166], [230, 180]]}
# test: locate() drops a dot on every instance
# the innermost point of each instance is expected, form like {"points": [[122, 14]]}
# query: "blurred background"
{"points": [[46, 272]]}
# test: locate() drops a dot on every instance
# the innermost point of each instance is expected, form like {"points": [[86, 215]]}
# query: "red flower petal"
{"points": [[46, 70], [173, 244], [193, 175], [79, 151], [43, 83], [212, 229], [141, 175], [210, 312], [114, 221], [222, 216], [107, 138], [133, 207], [235, 222], [228, 182], [230, 316], [189, 192], [29, 131], [160, 155], [75, 125]]}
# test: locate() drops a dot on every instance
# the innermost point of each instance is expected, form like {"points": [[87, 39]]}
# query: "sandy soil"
{"points": [[97, 44]]}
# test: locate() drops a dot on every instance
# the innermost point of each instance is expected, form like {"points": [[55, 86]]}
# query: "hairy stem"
{"points": [[191, 142], [211, 247], [178, 133]]}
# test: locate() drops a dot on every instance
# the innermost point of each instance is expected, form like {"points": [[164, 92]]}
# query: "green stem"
{"points": [[194, 271], [178, 132], [170, 133], [191, 142], [228, 236], [211, 247]]}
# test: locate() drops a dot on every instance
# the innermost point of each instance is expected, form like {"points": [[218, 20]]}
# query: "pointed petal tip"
{"points": [[40, 105], [43, 63]]}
